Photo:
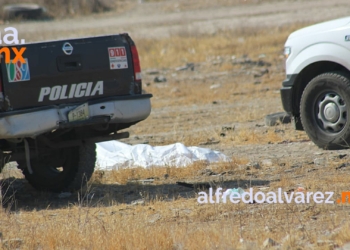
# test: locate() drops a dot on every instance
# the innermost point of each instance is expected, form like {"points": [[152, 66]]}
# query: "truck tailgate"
{"points": [[69, 71]]}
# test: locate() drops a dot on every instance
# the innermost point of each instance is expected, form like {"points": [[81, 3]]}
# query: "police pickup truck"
{"points": [[62, 98], [317, 87]]}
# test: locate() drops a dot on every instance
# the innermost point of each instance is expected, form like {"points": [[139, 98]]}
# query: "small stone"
{"points": [[188, 66], [270, 243], [175, 90], [152, 72], [255, 165], [228, 128], [287, 240], [215, 86], [248, 244], [344, 165], [267, 162], [160, 79], [289, 170], [320, 161], [187, 211], [209, 142], [277, 118], [325, 243], [206, 172], [182, 68], [279, 131], [154, 218], [137, 202], [342, 156]]}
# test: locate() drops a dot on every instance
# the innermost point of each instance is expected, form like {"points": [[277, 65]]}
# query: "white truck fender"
{"points": [[316, 53]]}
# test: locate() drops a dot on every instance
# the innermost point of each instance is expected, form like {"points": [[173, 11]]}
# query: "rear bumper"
{"points": [[33, 122]]}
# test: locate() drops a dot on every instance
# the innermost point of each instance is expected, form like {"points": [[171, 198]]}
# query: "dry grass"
{"points": [[192, 47], [181, 223], [172, 174]]}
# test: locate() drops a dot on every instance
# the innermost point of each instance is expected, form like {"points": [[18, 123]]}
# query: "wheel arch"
{"points": [[307, 74]]}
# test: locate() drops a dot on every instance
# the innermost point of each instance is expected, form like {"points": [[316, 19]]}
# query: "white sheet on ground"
{"points": [[116, 155]]}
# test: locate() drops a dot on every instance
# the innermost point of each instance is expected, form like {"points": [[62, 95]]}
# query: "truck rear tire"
{"points": [[325, 110], [73, 174]]}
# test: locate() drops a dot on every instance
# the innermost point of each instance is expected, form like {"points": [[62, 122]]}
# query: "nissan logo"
{"points": [[67, 48]]}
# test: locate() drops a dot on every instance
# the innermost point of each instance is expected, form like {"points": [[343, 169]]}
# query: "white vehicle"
{"points": [[317, 87]]}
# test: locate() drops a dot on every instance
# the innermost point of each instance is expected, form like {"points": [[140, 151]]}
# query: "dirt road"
{"points": [[164, 19]]}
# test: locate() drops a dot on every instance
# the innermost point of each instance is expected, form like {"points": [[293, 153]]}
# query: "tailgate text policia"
{"points": [[61, 92]]}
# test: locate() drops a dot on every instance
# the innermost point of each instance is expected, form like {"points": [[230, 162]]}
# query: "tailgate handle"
{"points": [[69, 63]]}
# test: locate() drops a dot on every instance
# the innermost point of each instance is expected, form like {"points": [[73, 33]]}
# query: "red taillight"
{"points": [[136, 63]]}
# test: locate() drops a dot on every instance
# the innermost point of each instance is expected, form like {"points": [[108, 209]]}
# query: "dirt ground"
{"points": [[217, 101], [156, 19]]}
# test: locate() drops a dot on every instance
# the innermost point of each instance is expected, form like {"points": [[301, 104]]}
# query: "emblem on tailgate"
{"points": [[67, 48], [18, 72]]}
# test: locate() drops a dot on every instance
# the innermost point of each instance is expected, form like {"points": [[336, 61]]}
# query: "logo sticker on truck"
{"points": [[18, 71], [62, 92], [117, 58]]}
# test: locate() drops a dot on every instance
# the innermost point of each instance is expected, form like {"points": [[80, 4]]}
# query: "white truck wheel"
{"points": [[325, 110]]}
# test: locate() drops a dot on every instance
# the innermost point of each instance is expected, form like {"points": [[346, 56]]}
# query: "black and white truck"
{"points": [[62, 98]]}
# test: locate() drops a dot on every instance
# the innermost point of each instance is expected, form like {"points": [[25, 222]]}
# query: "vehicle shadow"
{"points": [[17, 194]]}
